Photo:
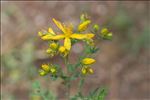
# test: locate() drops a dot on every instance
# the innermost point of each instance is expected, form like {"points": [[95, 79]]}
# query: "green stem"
{"points": [[67, 81], [81, 83], [68, 89]]}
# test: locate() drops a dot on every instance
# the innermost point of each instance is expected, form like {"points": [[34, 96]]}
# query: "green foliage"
{"points": [[97, 94], [91, 49], [41, 94], [81, 68]]}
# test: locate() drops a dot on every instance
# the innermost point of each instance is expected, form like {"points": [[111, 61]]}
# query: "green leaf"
{"points": [[50, 96], [73, 41], [102, 94], [81, 82], [94, 49], [75, 76], [54, 77], [36, 85], [98, 94], [70, 68]]}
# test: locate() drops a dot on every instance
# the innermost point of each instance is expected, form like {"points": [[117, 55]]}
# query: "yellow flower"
{"points": [[85, 70], [88, 61], [63, 51], [67, 34], [83, 26], [45, 67]]}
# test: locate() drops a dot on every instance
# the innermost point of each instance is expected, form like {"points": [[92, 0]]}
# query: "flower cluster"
{"points": [[105, 34], [71, 35], [68, 36], [67, 33], [45, 69], [86, 68]]}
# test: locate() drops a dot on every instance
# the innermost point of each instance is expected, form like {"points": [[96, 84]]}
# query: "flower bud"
{"points": [[96, 27], [84, 71], [53, 70], [42, 72], [54, 46], [45, 67], [105, 34], [90, 70], [83, 26], [49, 50], [84, 17], [109, 36], [62, 49], [104, 31], [88, 61], [90, 42], [40, 33]]}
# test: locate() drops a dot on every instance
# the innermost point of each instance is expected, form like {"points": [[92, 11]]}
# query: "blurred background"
{"points": [[122, 64]]}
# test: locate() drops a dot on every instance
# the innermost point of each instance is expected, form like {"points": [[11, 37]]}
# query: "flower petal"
{"points": [[50, 30], [59, 25], [78, 36], [51, 37], [67, 43], [90, 35], [83, 26], [82, 36]]}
